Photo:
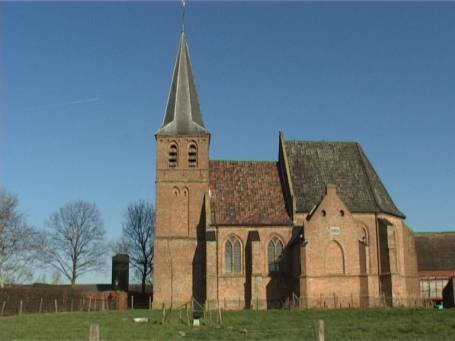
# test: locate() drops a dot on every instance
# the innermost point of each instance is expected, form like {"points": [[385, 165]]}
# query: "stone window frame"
{"points": [[364, 235], [173, 154], [275, 239], [192, 154], [234, 270]]}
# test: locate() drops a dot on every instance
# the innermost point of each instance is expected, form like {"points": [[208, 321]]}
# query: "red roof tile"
{"points": [[247, 193]]}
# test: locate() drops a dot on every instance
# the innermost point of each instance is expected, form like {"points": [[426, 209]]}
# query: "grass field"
{"points": [[383, 324]]}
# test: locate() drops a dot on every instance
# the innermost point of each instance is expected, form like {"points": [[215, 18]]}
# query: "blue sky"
{"points": [[84, 87]]}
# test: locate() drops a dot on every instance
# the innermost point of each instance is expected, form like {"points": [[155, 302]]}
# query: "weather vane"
{"points": [[183, 15]]}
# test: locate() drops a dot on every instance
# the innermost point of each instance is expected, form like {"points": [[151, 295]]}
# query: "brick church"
{"points": [[316, 225]]}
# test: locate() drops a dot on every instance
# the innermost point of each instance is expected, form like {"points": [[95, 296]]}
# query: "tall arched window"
{"points": [[364, 235], [274, 251], [233, 255], [173, 155], [192, 155]]}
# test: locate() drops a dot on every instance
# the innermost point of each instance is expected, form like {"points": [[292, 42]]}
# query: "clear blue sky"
{"points": [[84, 87]]}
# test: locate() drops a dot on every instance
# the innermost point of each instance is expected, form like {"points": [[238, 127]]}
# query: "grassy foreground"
{"points": [[373, 324]]}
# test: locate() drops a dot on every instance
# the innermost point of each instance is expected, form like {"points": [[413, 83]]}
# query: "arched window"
{"points": [[192, 155], [233, 255], [364, 236], [274, 251], [173, 155]]}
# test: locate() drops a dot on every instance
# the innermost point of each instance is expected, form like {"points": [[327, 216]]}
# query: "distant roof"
{"points": [[313, 165], [183, 112], [247, 193], [435, 251]]}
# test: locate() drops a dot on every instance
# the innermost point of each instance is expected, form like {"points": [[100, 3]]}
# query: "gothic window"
{"points": [[233, 255], [173, 155], [364, 236], [192, 155], [274, 252]]}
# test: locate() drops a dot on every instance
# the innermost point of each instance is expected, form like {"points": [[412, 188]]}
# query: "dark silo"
{"points": [[120, 272]]}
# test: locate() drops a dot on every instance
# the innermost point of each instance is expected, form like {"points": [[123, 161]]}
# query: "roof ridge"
{"points": [[251, 161], [322, 141], [435, 232]]}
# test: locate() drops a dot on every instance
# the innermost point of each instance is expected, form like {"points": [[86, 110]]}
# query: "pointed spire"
{"points": [[183, 113]]}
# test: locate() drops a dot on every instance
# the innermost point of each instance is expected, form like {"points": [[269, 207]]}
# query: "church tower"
{"points": [[182, 179]]}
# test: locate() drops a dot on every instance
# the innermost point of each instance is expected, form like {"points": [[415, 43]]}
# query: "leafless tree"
{"points": [[76, 243], [20, 243], [137, 235]]}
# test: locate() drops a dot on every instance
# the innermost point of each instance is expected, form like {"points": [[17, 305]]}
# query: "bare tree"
{"points": [[137, 235], [19, 243], [76, 243]]}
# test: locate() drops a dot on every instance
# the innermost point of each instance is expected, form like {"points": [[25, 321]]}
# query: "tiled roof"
{"points": [[435, 251], [313, 165], [247, 193]]}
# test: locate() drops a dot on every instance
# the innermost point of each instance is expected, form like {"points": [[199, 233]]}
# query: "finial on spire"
{"points": [[183, 15]]}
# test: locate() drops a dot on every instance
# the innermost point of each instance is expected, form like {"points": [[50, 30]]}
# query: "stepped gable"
{"points": [[247, 193], [313, 165], [435, 251]]}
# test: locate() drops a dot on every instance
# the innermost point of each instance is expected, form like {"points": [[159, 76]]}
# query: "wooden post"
{"points": [[150, 302], [3, 307], [187, 315], [102, 304], [164, 314], [94, 332], [56, 306], [81, 304], [132, 302], [41, 305], [318, 330], [219, 316], [72, 302], [89, 303], [20, 307]]}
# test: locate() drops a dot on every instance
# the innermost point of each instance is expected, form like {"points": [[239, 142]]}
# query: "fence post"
{"points": [[187, 315], [89, 303], [319, 330], [150, 302], [219, 315], [41, 305], [164, 314], [56, 305], [132, 302], [20, 307], [3, 307], [72, 302], [94, 332]]}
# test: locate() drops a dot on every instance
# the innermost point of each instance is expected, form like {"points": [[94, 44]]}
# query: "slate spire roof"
{"points": [[183, 113]]}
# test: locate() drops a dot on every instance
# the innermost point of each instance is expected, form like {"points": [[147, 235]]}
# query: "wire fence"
{"points": [[331, 301]]}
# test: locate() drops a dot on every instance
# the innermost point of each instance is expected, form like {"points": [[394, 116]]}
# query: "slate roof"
{"points": [[183, 112], [435, 251], [313, 165], [247, 193]]}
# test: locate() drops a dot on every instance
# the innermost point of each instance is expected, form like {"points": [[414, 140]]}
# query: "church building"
{"points": [[315, 226]]}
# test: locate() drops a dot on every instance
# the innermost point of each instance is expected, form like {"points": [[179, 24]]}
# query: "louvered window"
{"points": [[233, 256], [173, 155], [192, 155], [274, 252]]}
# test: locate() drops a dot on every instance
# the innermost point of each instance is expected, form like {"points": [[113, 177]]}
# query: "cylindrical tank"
{"points": [[120, 272]]}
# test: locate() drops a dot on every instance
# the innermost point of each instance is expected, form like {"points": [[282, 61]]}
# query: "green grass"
{"points": [[372, 324]]}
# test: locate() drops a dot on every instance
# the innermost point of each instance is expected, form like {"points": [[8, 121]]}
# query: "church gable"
{"points": [[247, 193], [313, 165]]}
